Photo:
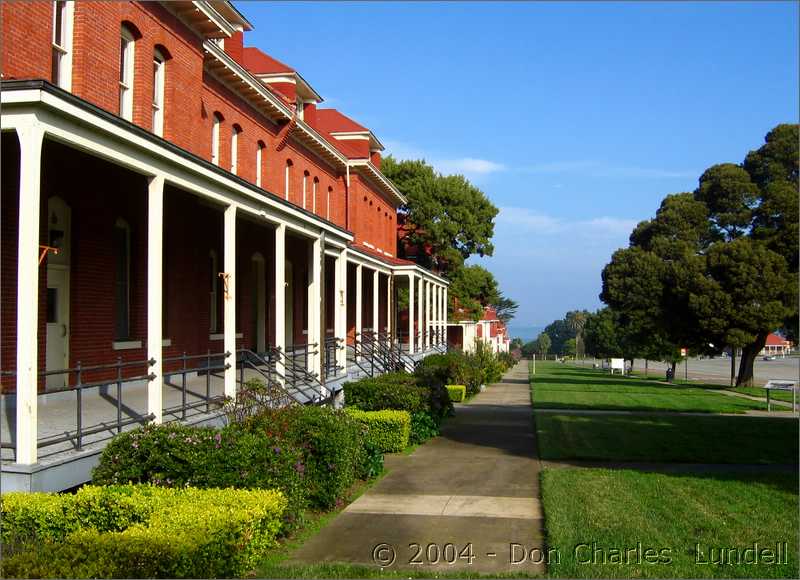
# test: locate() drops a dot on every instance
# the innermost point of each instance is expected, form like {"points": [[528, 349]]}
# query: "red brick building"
{"points": [[168, 190]]}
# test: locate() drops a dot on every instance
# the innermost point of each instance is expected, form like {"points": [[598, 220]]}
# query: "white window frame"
{"points": [[305, 187], [287, 179], [328, 205], [259, 161], [127, 56], [159, 82], [314, 183], [235, 130], [217, 121], [62, 48]]}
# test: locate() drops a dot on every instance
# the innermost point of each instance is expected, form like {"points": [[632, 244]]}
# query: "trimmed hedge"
{"points": [[138, 532], [386, 430], [174, 455], [333, 454], [457, 393]]}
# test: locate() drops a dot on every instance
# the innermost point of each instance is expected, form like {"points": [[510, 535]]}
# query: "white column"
{"points": [[315, 335], [442, 317], [359, 301], [375, 303], [155, 274], [340, 305], [229, 289], [411, 284], [389, 305], [420, 316], [444, 312], [427, 315], [30, 144], [280, 293], [436, 317]]}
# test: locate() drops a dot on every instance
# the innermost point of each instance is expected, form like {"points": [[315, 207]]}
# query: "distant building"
{"points": [[776, 345], [489, 328]]}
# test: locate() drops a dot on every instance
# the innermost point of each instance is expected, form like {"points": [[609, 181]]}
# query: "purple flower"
{"points": [[276, 449]]}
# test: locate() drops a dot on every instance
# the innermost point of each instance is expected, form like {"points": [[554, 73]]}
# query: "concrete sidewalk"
{"points": [[466, 501]]}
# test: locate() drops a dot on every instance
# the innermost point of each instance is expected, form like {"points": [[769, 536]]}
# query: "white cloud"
{"points": [[467, 166], [513, 220], [604, 169]]}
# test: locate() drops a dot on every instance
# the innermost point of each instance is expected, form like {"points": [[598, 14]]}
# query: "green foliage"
{"points": [[423, 427], [447, 214], [472, 288], [559, 333], [716, 266], [174, 455], [543, 344], [506, 308], [457, 393], [386, 430], [329, 441], [172, 533]]}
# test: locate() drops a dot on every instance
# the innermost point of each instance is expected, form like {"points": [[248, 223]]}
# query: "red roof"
{"points": [[258, 62], [776, 340], [332, 121], [374, 253]]}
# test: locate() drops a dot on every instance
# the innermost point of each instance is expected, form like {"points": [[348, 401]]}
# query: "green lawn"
{"points": [[760, 392], [680, 518], [560, 386], [667, 438]]}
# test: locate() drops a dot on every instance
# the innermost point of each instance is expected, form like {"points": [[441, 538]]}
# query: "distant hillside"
{"points": [[525, 332]]}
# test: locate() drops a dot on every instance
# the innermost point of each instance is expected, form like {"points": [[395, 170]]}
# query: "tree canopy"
{"points": [[717, 266]]}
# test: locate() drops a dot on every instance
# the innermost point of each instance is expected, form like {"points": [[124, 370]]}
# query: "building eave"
{"points": [[370, 171]]}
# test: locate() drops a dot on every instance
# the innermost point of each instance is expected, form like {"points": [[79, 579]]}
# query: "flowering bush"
{"points": [[174, 455]]}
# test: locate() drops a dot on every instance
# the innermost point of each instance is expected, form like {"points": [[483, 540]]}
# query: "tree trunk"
{"points": [[733, 365], [749, 354], [673, 367], [645, 367]]}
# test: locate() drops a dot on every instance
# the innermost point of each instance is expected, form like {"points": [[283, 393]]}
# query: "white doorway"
{"points": [[58, 292]]}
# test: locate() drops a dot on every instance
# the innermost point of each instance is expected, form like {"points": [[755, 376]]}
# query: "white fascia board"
{"points": [[211, 13], [374, 143], [247, 77], [232, 14], [356, 257], [69, 124], [367, 166], [422, 272], [312, 134], [307, 88]]}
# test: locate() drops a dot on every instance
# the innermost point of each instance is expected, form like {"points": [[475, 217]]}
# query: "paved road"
{"points": [[474, 491], [719, 369]]}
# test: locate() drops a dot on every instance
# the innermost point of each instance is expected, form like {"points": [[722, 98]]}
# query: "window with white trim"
{"points": [[305, 188], [328, 204], [159, 73], [259, 161], [122, 279], [61, 73], [314, 185], [287, 179], [235, 148], [217, 121], [126, 60]]}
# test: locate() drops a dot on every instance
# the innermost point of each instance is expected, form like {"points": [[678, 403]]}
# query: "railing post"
{"points": [[183, 386], [208, 381], [119, 394], [241, 367], [79, 395]]}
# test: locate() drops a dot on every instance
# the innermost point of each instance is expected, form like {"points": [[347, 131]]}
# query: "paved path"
{"points": [[475, 486]]}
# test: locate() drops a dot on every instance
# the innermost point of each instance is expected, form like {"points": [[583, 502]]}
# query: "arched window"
{"points": [[212, 296], [217, 121], [287, 179], [260, 150], [122, 279], [235, 148], [159, 73], [62, 44], [126, 65], [314, 185], [328, 204], [306, 174]]}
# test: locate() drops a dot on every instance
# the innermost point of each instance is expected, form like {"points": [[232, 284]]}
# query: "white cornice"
{"points": [[366, 166]]}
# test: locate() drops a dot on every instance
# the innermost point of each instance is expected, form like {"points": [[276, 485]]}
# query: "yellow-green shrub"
{"points": [[457, 392], [387, 430], [182, 533]]}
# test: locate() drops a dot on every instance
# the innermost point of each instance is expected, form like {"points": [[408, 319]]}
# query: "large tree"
{"points": [[445, 214], [559, 332], [506, 308], [576, 319], [472, 288], [717, 266], [543, 344]]}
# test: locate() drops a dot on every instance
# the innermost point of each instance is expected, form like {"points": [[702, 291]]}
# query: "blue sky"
{"points": [[575, 118]]}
